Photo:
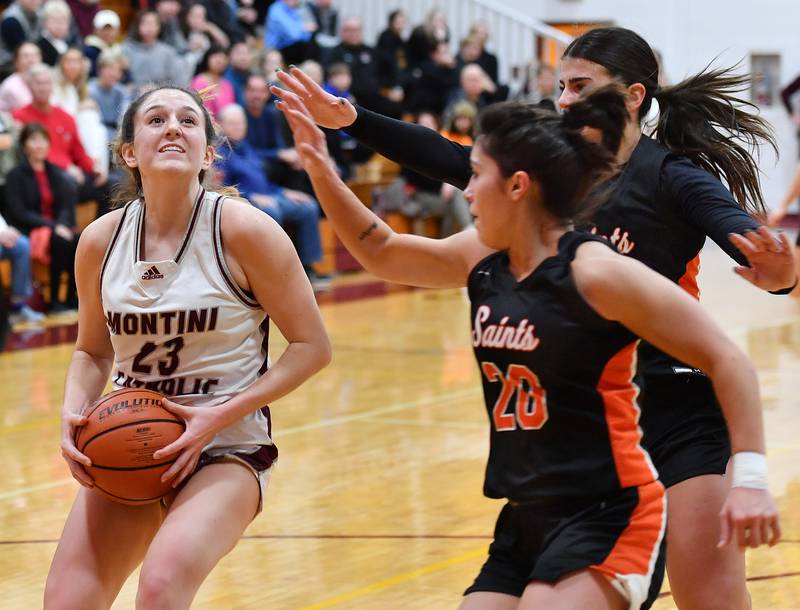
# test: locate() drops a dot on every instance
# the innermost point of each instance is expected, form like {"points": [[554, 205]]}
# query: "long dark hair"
{"points": [[131, 187], [552, 149], [701, 117]]}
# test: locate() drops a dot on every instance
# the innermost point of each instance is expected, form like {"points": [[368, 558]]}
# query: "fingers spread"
{"points": [[744, 245], [770, 242], [306, 81], [169, 450], [176, 409], [185, 472], [785, 243], [291, 83], [746, 272]]}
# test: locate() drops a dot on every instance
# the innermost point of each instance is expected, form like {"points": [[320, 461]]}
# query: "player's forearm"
{"points": [[86, 379], [361, 231], [413, 146], [736, 386]]}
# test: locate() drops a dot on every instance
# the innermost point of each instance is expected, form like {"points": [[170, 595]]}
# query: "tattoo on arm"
{"points": [[368, 230]]}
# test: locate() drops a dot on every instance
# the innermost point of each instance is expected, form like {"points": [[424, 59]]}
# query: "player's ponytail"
{"points": [[701, 117], [556, 150], [603, 110]]}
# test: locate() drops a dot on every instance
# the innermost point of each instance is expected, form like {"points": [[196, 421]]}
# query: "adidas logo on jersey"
{"points": [[152, 274]]}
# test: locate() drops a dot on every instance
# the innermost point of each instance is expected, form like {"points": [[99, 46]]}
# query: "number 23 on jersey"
{"points": [[530, 411]]}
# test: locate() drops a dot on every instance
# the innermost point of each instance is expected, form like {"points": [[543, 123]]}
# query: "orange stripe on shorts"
{"points": [[637, 547]]}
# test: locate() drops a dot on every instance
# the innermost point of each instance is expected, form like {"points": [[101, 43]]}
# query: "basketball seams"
{"points": [[133, 468], [140, 425], [136, 423]]}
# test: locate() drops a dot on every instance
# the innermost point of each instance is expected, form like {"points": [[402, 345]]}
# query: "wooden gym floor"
{"points": [[376, 501]]}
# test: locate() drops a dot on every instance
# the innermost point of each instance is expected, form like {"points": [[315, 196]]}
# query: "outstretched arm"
{"points": [[407, 259], [410, 145], [652, 307], [766, 261]]}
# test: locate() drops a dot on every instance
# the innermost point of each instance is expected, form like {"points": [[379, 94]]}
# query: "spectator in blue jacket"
{"points": [[241, 168], [289, 28]]}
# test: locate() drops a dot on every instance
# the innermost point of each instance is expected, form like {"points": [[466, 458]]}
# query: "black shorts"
{"points": [[621, 537], [684, 429]]}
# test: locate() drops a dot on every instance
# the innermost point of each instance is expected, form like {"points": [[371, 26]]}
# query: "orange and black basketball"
{"points": [[123, 430]]}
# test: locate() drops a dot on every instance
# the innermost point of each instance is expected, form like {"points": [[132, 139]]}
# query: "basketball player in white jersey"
{"points": [[175, 289]]}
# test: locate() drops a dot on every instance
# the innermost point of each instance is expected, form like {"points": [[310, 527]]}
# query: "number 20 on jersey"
{"points": [[530, 412]]}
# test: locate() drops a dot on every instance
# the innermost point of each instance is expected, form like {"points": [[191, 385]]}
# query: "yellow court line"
{"points": [[323, 423], [396, 580]]}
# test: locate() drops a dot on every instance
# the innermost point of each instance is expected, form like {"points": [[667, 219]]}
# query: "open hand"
{"points": [[771, 260], [325, 109]]}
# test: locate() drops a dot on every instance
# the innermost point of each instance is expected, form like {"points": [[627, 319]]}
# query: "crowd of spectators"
{"points": [[68, 71]]}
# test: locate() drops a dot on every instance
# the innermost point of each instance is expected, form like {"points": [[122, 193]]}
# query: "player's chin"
{"points": [[487, 238]]}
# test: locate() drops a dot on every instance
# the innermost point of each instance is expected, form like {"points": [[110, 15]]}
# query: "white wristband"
{"points": [[750, 470]]}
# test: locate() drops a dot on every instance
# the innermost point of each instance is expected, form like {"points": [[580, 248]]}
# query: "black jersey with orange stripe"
{"points": [[661, 208], [558, 384]]}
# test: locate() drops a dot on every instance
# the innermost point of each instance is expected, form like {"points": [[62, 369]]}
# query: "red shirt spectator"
{"points": [[66, 149]]}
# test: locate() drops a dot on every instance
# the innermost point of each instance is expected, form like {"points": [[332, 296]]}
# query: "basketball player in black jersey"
{"points": [[555, 319], [664, 202]]}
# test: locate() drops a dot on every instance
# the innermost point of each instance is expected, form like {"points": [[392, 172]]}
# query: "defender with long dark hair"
{"points": [[664, 202], [555, 318]]}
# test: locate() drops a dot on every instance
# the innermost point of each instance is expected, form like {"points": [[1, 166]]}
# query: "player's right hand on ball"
{"points": [[75, 459]]}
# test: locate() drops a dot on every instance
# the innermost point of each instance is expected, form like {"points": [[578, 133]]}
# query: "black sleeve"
{"points": [[705, 203], [20, 213], [787, 93], [413, 146]]}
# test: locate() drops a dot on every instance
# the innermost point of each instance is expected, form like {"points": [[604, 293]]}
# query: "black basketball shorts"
{"points": [[620, 537], [684, 429]]}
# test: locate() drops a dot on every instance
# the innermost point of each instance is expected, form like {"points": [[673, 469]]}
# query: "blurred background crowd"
{"points": [[70, 67]]}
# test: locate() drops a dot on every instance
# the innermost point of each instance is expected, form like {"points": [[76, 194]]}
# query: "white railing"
{"points": [[513, 33]]}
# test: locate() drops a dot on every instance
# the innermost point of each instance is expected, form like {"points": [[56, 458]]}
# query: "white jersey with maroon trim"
{"points": [[182, 326]]}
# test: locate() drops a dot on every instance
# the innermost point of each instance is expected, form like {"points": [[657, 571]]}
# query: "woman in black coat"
{"points": [[38, 194]]}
